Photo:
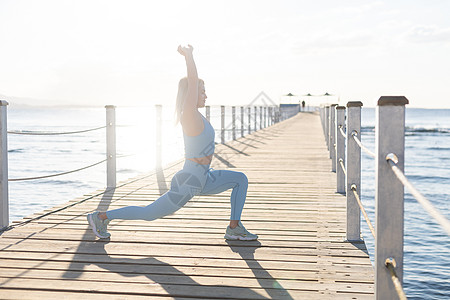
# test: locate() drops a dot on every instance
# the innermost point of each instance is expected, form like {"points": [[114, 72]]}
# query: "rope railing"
{"points": [[391, 265], [355, 137], [30, 132], [426, 204], [341, 163], [361, 206], [57, 174], [341, 130], [67, 172]]}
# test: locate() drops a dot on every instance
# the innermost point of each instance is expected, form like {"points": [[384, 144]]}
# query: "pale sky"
{"points": [[124, 52]]}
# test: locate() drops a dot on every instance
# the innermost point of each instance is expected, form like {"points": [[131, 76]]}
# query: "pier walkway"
{"points": [[291, 204]]}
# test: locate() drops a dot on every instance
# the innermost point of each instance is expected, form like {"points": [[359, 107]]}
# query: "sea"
{"points": [[427, 165]]}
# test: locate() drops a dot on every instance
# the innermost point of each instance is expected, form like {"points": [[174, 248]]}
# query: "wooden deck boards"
{"points": [[291, 205]]}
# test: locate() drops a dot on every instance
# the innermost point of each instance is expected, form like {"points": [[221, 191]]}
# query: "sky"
{"points": [[92, 52]]}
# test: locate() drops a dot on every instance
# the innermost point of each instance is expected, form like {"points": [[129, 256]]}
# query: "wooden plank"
{"points": [[179, 237], [312, 265], [239, 277]]}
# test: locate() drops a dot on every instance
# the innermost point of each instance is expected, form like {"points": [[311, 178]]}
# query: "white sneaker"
{"points": [[239, 233], [99, 227]]}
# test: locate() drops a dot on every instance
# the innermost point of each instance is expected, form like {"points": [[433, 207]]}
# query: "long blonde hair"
{"points": [[181, 97]]}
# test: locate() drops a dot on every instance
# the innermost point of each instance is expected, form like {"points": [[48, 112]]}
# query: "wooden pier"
{"points": [[292, 205]]}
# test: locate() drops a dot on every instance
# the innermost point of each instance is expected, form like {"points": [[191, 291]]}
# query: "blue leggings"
{"points": [[194, 179]]}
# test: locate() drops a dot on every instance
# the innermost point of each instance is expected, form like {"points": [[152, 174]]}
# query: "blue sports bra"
{"points": [[200, 145]]}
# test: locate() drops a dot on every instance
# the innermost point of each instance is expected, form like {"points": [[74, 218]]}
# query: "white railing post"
{"points": [[270, 116], [353, 167], [158, 134], [340, 149], [233, 120], [389, 195], [222, 124], [327, 126], [242, 121], [332, 137], [260, 117], [256, 111], [265, 116], [208, 113], [249, 112], [278, 113], [322, 118], [110, 146], [4, 202]]}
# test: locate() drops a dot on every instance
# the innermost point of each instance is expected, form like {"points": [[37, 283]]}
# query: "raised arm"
{"points": [[190, 119]]}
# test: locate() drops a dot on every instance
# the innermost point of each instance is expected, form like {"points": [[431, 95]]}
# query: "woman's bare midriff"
{"points": [[205, 160]]}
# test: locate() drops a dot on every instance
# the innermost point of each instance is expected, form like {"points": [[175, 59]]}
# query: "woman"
{"points": [[196, 177]]}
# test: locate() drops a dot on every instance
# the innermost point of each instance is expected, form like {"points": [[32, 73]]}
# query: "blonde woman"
{"points": [[196, 177]]}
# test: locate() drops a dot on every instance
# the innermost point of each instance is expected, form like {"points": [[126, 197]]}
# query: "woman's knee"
{"points": [[242, 178]]}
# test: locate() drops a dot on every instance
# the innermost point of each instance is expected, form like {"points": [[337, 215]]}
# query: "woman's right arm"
{"points": [[191, 119]]}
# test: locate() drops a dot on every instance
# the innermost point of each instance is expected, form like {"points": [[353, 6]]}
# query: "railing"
{"points": [[257, 117], [390, 183]]}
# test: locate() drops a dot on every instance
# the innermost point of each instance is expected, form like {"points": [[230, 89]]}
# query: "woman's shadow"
{"points": [[173, 281], [247, 252]]}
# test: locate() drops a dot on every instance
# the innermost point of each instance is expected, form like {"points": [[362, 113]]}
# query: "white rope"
{"points": [[342, 131], [361, 206], [341, 162], [58, 174], [391, 265], [354, 134], [419, 197], [27, 132], [68, 172]]}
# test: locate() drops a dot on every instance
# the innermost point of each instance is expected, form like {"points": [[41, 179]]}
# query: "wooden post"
{"points": [[158, 143], [332, 141], [110, 146], [222, 124], [340, 149], [389, 195], [233, 119], [208, 113], [249, 112], [4, 201], [353, 167], [242, 121]]}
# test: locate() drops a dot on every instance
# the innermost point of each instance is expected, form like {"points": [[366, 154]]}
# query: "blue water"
{"points": [[427, 247], [427, 165]]}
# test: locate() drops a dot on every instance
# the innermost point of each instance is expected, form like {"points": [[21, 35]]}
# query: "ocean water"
{"points": [[427, 246], [427, 166]]}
